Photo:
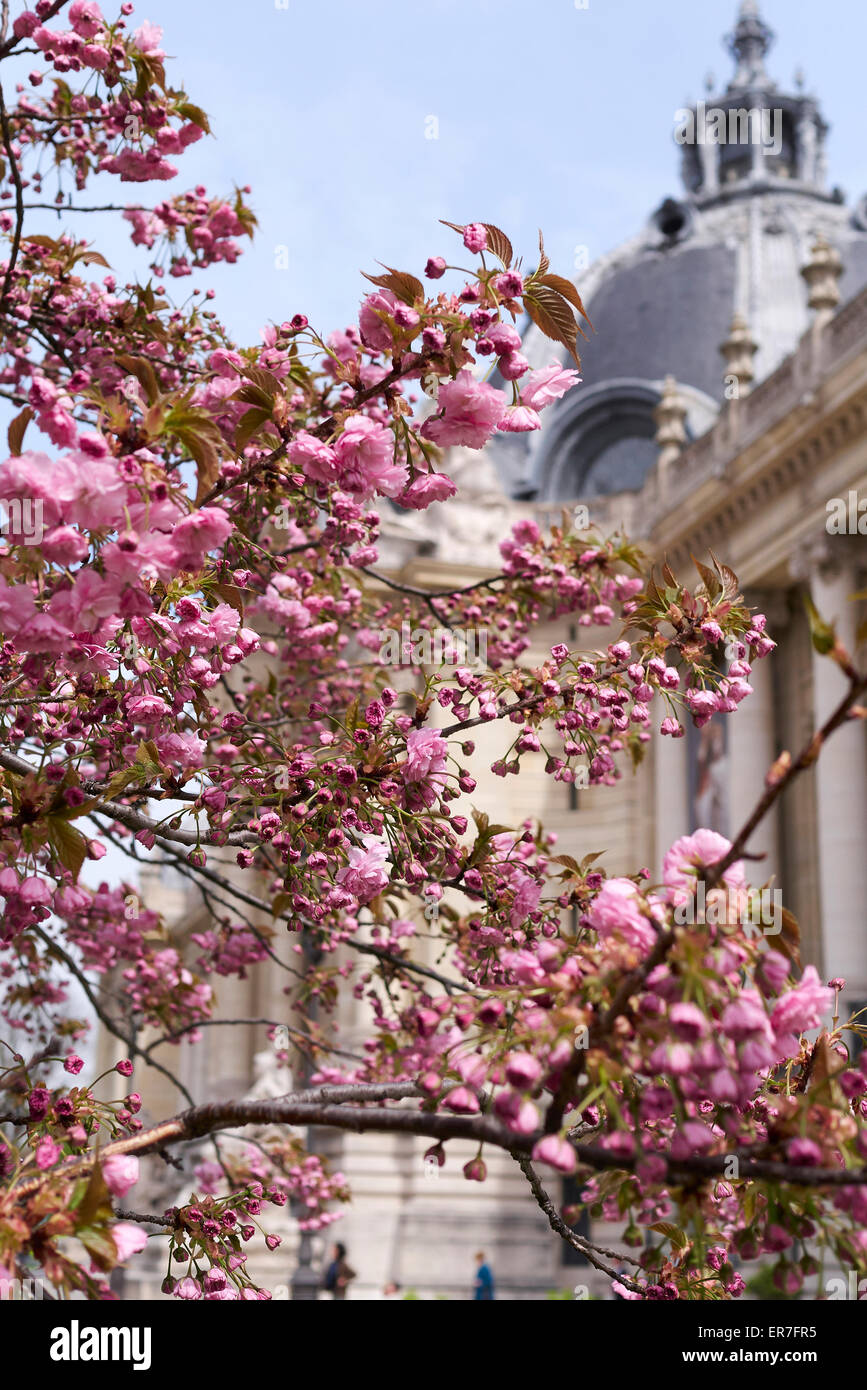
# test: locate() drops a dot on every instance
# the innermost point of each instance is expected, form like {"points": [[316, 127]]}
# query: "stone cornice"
{"points": [[792, 427]]}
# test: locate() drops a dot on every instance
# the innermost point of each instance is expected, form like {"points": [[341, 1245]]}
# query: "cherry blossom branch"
{"points": [[126, 815], [356, 1107], [807, 756], [634, 979], [127, 1038], [585, 1247], [7, 45], [19, 197], [175, 861], [371, 949], [413, 592], [322, 430], [173, 1224], [103, 207], [194, 872], [299, 1033]]}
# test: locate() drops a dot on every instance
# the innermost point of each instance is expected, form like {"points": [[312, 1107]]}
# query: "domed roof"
{"points": [[755, 200]]}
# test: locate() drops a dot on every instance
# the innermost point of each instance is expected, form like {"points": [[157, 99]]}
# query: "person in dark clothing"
{"points": [[483, 1287], [339, 1273]]}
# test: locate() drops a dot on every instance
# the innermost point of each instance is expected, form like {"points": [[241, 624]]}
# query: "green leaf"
{"points": [[189, 112], [88, 257], [147, 752], [96, 1201], [47, 241], [266, 381], [730, 581], [68, 844], [789, 939], [200, 437], [100, 1246], [498, 242], [119, 780], [249, 424], [251, 394], [674, 1233], [823, 635]]}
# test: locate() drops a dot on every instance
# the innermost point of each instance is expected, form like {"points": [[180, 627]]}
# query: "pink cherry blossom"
{"points": [[365, 453], [426, 752], [313, 457], [690, 853], [365, 875], [471, 411], [616, 913], [121, 1172], [427, 488], [128, 1239], [547, 384], [519, 419], [555, 1152], [802, 1007], [197, 534]]}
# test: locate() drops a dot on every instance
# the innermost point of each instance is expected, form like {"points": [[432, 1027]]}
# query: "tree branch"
{"points": [[125, 815], [556, 1222]]}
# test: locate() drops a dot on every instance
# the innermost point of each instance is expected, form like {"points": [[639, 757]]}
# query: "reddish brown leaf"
{"points": [[499, 244], [15, 433], [550, 313], [568, 291], [405, 286]]}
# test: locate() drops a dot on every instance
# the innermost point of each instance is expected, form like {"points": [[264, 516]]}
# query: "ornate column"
{"points": [[708, 153], [758, 168], [822, 273], [670, 794], [807, 143], [841, 777], [753, 744], [669, 415], [738, 350]]}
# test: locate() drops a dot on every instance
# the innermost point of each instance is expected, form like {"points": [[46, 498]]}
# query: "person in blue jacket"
{"points": [[483, 1287]]}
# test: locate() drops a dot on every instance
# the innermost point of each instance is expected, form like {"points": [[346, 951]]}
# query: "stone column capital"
{"points": [[774, 603], [825, 556]]}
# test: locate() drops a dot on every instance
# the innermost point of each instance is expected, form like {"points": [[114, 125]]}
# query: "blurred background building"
{"points": [[724, 408]]}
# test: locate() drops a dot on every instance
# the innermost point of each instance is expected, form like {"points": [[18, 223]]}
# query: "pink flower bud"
{"points": [[522, 1070], [556, 1152], [475, 237]]}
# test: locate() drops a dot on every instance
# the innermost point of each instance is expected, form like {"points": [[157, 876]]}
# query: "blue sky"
{"points": [[548, 115]]}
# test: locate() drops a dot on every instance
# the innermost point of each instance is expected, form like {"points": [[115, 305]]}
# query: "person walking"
{"points": [[339, 1273], [483, 1288]]}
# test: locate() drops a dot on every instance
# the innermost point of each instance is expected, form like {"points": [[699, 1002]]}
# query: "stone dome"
{"points": [[733, 243]]}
